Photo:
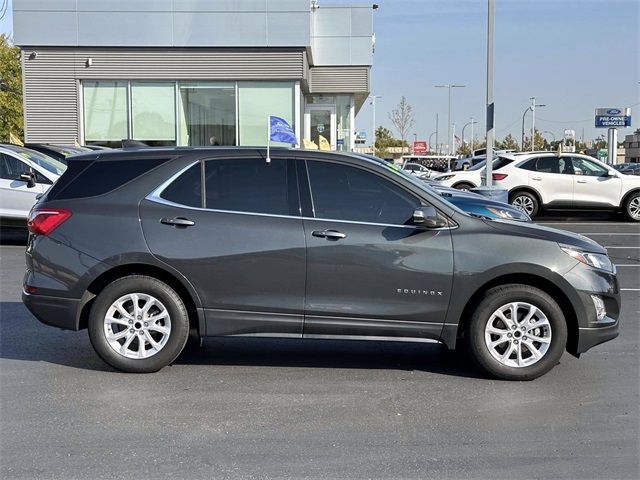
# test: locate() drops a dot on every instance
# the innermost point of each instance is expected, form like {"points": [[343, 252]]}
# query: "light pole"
{"points": [[373, 134], [472, 122], [552, 134], [531, 107], [488, 182], [430, 137], [450, 138]]}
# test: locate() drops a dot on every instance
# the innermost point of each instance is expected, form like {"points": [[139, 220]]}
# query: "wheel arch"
{"points": [[530, 279], [627, 195], [189, 297], [528, 189], [463, 182]]}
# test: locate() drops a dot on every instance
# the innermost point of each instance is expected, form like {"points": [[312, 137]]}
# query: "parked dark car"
{"points": [[58, 152], [309, 244], [628, 168]]}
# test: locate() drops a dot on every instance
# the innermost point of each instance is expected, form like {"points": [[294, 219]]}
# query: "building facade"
{"points": [[632, 148], [191, 72]]}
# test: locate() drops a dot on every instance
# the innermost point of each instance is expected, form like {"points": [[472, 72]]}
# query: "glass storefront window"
{"points": [[258, 100], [153, 112], [343, 120], [105, 112], [207, 114]]}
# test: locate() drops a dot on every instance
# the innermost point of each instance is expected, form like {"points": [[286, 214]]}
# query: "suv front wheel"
{"points": [[517, 332], [138, 324], [632, 207]]}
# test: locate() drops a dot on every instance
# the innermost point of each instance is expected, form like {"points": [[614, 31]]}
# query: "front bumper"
{"points": [[590, 282]]}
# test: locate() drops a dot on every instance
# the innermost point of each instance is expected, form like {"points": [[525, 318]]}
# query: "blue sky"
{"points": [[573, 55]]}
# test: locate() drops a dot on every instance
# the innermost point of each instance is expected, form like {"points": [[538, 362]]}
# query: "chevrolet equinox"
{"points": [[146, 247]]}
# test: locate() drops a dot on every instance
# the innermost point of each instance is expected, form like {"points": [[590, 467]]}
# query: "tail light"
{"points": [[43, 221], [499, 176]]}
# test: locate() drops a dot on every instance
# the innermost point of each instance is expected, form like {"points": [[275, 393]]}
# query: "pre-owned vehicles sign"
{"points": [[613, 117]]}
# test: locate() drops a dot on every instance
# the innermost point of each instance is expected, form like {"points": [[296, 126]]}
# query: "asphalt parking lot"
{"points": [[241, 408]]}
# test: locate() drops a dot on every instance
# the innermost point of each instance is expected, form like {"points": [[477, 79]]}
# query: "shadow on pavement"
{"points": [[22, 337], [13, 237]]}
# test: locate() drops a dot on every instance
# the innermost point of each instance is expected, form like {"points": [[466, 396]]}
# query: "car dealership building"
{"points": [[191, 72]]}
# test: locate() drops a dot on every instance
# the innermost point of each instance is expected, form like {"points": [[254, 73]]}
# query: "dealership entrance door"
{"points": [[321, 121]]}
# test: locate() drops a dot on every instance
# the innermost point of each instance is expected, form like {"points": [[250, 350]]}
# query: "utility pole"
{"points": [[533, 123], [373, 135], [490, 112], [450, 137], [437, 125]]}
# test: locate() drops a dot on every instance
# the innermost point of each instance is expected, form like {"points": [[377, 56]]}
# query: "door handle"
{"points": [[329, 234], [536, 178], [178, 222], [581, 181]]}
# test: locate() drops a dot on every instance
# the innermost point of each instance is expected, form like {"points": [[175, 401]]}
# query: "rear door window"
{"points": [[251, 186]]}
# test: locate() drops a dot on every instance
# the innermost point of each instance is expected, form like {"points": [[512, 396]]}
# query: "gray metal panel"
{"points": [[133, 28], [339, 79], [342, 35], [37, 27], [196, 23], [51, 79], [230, 29]]}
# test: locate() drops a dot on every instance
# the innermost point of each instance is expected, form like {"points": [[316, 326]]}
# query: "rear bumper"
{"points": [[55, 311]]}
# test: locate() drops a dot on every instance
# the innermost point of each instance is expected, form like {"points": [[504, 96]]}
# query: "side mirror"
{"points": [[611, 174], [30, 178], [427, 217]]}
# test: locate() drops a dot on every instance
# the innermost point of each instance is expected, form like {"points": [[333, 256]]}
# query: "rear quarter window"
{"points": [[86, 178]]}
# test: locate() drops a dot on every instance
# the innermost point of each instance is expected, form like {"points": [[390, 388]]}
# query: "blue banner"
{"points": [[281, 131]]}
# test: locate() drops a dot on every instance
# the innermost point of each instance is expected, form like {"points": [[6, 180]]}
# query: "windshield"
{"points": [[48, 163]]}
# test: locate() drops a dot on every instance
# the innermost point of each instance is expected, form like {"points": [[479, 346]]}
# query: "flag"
{"points": [[281, 131], [324, 143]]}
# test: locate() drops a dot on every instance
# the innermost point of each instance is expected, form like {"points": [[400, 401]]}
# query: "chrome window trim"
{"points": [[154, 196]]}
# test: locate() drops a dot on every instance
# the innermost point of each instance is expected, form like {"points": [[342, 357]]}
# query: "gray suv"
{"points": [[146, 247]]}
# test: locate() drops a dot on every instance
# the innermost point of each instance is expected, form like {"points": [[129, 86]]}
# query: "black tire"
{"points": [[463, 186], [522, 199], [497, 297], [631, 205], [177, 337]]}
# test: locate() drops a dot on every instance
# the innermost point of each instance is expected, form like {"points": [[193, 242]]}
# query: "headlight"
{"points": [[595, 260], [443, 177], [509, 215]]}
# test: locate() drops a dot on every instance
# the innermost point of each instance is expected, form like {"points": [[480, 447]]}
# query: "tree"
{"points": [[384, 140], [508, 143], [539, 143], [402, 118], [10, 90]]}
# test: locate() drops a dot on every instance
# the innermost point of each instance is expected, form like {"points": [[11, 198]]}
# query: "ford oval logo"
{"points": [[614, 111]]}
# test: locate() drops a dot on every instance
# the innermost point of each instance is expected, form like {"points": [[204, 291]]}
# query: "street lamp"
{"points": [[430, 137], [552, 134], [450, 138], [472, 123], [531, 107], [373, 135]]}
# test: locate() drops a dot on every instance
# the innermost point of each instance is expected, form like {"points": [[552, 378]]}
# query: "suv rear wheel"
{"points": [[525, 201], [138, 324], [517, 332]]}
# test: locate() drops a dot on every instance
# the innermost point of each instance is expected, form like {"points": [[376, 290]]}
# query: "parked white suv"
{"points": [[472, 178], [24, 174], [567, 181]]}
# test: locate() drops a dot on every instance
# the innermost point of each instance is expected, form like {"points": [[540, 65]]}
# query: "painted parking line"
{"points": [[630, 289], [618, 246]]}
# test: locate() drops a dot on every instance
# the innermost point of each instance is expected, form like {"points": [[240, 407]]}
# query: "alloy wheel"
{"points": [[518, 334], [137, 325], [523, 203], [634, 207]]}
